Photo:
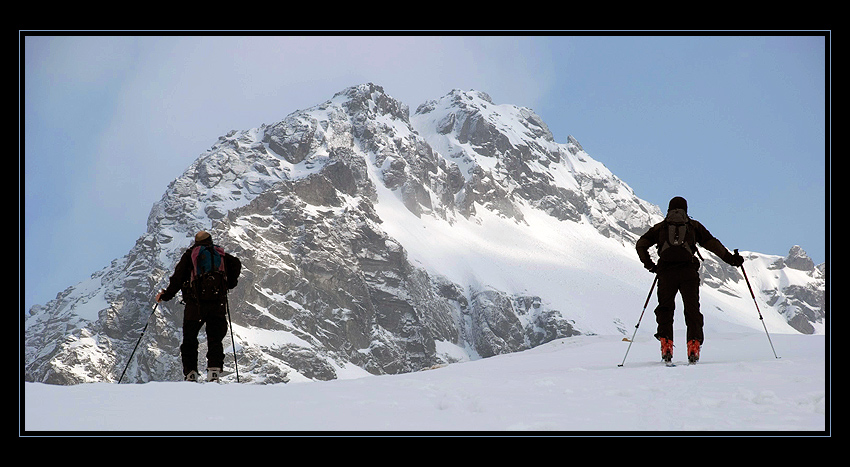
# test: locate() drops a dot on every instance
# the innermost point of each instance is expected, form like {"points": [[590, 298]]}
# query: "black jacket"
{"points": [[703, 237]]}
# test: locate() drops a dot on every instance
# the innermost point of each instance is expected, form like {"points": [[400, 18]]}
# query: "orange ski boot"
{"points": [[666, 350], [693, 351]]}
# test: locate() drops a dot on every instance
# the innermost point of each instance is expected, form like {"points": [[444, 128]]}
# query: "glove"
{"points": [[650, 266], [735, 259]]}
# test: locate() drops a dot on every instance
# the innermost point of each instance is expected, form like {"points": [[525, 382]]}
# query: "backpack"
{"points": [[678, 241], [209, 279]]}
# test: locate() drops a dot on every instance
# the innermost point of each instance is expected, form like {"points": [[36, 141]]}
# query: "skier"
{"points": [[200, 307], [678, 271]]}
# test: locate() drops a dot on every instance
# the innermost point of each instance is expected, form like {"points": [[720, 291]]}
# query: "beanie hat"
{"points": [[201, 236], [678, 203]]}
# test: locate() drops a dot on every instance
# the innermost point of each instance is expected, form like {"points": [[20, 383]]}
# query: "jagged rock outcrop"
{"points": [[801, 302]]}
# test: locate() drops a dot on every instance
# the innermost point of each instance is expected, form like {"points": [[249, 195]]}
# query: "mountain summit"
{"points": [[376, 242]]}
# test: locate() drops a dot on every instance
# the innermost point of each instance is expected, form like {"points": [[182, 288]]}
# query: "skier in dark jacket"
{"points": [[198, 312], [678, 271]]}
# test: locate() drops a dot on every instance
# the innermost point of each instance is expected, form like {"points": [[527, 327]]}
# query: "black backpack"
{"points": [[678, 241], [209, 278]]}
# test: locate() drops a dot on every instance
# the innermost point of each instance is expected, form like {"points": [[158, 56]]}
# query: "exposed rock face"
{"points": [[509, 157], [325, 291], [797, 259], [801, 302]]}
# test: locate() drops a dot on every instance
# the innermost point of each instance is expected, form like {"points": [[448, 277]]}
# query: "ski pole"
{"points": [[232, 340], [137, 342], [757, 307], [639, 319]]}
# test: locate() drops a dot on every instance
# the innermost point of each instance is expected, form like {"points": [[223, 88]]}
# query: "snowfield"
{"points": [[568, 386]]}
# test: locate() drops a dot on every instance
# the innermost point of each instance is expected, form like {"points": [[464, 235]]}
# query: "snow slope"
{"points": [[570, 385]]}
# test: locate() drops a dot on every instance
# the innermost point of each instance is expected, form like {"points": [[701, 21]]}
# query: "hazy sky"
{"points": [[734, 123]]}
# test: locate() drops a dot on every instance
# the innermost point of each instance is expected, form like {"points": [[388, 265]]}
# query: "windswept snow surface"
{"points": [[571, 386]]}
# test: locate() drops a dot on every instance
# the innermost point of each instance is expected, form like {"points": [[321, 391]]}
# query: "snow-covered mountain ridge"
{"points": [[378, 242]]}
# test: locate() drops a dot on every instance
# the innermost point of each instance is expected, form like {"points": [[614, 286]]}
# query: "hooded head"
{"points": [[678, 203], [203, 237]]}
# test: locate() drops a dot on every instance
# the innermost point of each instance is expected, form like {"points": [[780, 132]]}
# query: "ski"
{"points": [[196, 377], [671, 364], [221, 375]]}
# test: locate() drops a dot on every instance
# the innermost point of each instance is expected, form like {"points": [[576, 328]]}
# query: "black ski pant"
{"points": [[216, 320], [683, 279]]}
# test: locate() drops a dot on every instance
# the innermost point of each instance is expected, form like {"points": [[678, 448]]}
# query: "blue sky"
{"points": [[734, 123]]}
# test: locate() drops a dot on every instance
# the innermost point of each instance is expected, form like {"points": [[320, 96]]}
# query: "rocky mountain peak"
{"points": [[798, 259], [371, 98], [376, 242]]}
